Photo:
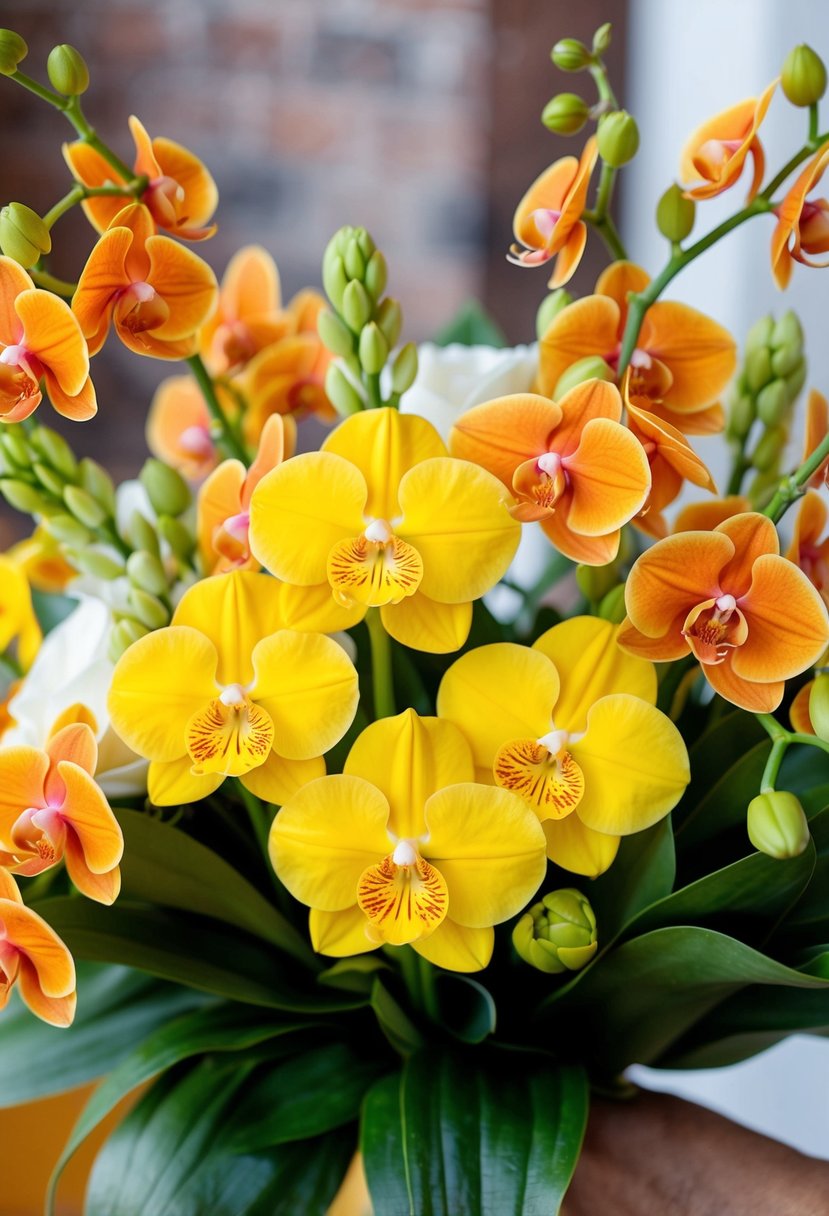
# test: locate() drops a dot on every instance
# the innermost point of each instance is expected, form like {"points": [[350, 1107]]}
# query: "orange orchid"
{"points": [[34, 957], [286, 378], [224, 500], [810, 547], [249, 315], [802, 224], [180, 194], [682, 362], [672, 461], [179, 428], [817, 428], [51, 807], [716, 153], [704, 516], [548, 221], [750, 616], [157, 293], [40, 340], [570, 464]]}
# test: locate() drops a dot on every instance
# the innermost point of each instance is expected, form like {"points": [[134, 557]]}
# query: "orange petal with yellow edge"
{"points": [[788, 622], [88, 813], [104, 275], [709, 420], [672, 446], [589, 550], [547, 193], [809, 523], [23, 773], [75, 742], [53, 970], [220, 498], [53, 334], [569, 256], [500, 435], [586, 327], [584, 402], [747, 694], [705, 516], [673, 576], [609, 478], [700, 354], [752, 535]]}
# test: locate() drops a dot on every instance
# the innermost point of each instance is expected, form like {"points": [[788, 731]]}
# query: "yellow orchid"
{"points": [[403, 848], [387, 519], [226, 690], [17, 616], [570, 723]]}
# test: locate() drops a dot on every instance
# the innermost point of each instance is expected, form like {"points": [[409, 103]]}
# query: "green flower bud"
{"points": [[786, 360], [803, 76], [795, 381], [618, 138], [23, 235], [376, 275], [773, 403], [571, 55], [356, 306], [757, 368], [142, 535], [341, 392], [760, 333], [334, 333], [675, 214], [67, 70], [769, 449], [354, 262], [97, 482], [83, 506], [23, 497], [762, 486], [787, 332], [366, 244], [14, 448], [374, 349], [178, 537], [334, 279], [594, 582], [777, 825], [819, 706], [146, 571], [122, 637], [565, 114], [99, 565], [167, 490], [389, 317], [558, 934], [741, 415], [68, 530], [55, 451], [404, 368], [13, 50], [612, 608], [592, 367], [601, 38], [549, 308], [49, 479], [147, 608]]}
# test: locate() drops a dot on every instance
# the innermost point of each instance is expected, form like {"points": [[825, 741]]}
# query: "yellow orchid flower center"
{"points": [[404, 898], [374, 569], [231, 736], [543, 772], [715, 627], [139, 308]]}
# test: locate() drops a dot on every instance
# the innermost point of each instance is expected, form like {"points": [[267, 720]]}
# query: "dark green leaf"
{"points": [[724, 804], [642, 873], [394, 1022], [353, 974], [466, 1008], [808, 921], [471, 327], [51, 609]]}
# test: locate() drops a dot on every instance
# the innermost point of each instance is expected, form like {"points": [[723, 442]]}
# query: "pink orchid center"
{"points": [[163, 197], [41, 831], [714, 154], [196, 441], [139, 307], [21, 357], [545, 220]]}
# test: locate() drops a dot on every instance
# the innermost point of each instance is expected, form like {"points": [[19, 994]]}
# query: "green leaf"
{"points": [[466, 1008], [724, 803], [495, 1132], [394, 1022], [642, 873], [116, 1007], [163, 865], [51, 609], [471, 326], [353, 974], [808, 921]]}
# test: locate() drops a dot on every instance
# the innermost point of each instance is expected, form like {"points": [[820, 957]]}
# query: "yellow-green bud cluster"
{"points": [[13, 50], [777, 824], [558, 933], [803, 76], [23, 235]]}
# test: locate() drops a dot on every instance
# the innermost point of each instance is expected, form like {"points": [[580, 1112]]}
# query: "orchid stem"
{"points": [[79, 192], [782, 739], [791, 488], [381, 674], [60, 287], [205, 382]]}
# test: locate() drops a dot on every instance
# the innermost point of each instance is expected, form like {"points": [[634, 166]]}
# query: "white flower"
{"points": [[451, 379]]}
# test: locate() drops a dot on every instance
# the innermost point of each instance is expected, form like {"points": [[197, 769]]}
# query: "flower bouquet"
{"points": [[327, 826]]}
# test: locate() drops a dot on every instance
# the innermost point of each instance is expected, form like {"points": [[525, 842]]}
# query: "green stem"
{"points": [[11, 665], [230, 439], [790, 488], [60, 287], [603, 86], [813, 121], [39, 90], [79, 192], [772, 727], [428, 992], [809, 741], [89, 135], [738, 472], [381, 673], [375, 397], [776, 756]]}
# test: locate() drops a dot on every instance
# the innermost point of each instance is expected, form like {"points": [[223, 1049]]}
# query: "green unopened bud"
{"points": [[14, 448], [389, 317], [571, 55], [618, 138], [760, 333], [23, 497], [97, 482], [404, 368], [353, 260], [769, 449], [13, 50], [785, 360], [795, 381], [558, 934], [178, 537], [612, 608], [741, 415], [141, 534], [147, 608], [594, 582], [122, 637], [167, 490], [675, 214], [99, 565], [549, 308], [565, 114], [335, 334], [367, 246], [763, 485], [376, 275], [341, 392], [67, 70], [777, 824], [55, 451], [67, 529], [803, 76], [787, 332], [819, 706], [23, 235], [83, 506], [758, 368], [49, 479], [374, 349], [773, 403], [146, 571], [334, 279], [356, 306], [601, 38], [592, 367]]}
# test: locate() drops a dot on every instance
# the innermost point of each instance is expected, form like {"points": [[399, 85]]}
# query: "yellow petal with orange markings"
{"points": [[701, 354], [22, 781], [670, 646], [634, 762], [308, 685], [57, 1011], [409, 758], [799, 715], [384, 444], [489, 847], [186, 284], [402, 902], [13, 282], [201, 195], [89, 167], [30, 934], [455, 515], [103, 888], [314, 609], [340, 934], [157, 686], [373, 573], [326, 836], [552, 785], [586, 327], [278, 779], [747, 694], [78, 408], [103, 276], [574, 846], [590, 550], [570, 254], [500, 435], [591, 665], [235, 611], [788, 625], [173, 783], [673, 576], [610, 479], [88, 813], [499, 692], [704, 516], [585, 402], [75, 742], [752, 536], [53, 334], [456, 947], [250, 285], [300, 510], [424, 624], [619, 279], [229, 738]]}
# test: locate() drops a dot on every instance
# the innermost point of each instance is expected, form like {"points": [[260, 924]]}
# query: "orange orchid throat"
{"points": [[538, 485], [715, 627]]}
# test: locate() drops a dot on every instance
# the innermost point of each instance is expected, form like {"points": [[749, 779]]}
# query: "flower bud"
{"points": [[23, 235], [675, 214], [741, 414], [592, 367], [177, 536], [796, 380], [819, 706], [99, 565], [68, 530], [571, 55], [390, 319], [366, 244], [147, 609], [55, 451], [97, 482], [549, 308], [777, 825], [612, 608], [14, 448], [773, 403], [23, 497], [167, 490], [594, 582], [122, 637], [376, 275], [760, 333], [787, 332], [618, 138], [83, 506], [334, 278], [373, 349], [67, 70], [341, 392], [48, 479], [334, 333], [353, 260], [404, 368], [558, 934], [356, 306], [565, 114], [601, 38], [144, 570], [13, 50], [803, 76], [786, 360], [758, 367], [769, 449], [141, 534]]}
